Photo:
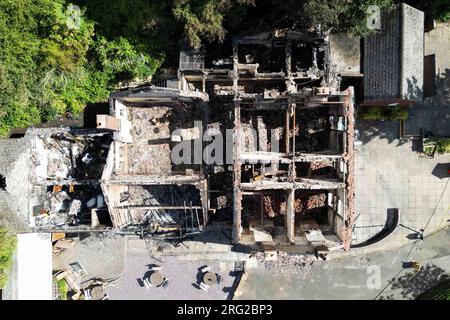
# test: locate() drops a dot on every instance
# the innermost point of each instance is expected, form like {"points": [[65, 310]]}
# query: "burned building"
{"points": [[292, 138], [265, 139], [142, 185], [55, 183]]}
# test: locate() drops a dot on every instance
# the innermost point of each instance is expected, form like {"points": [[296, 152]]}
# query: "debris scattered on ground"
{"points": [[273, 205], [287, 263], [103, 238], [308, 200]]}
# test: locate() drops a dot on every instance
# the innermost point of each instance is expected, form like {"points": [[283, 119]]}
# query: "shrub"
{"points": [[7, 247], [443, 145], [48, 68], [383, 113], [62, 289]]}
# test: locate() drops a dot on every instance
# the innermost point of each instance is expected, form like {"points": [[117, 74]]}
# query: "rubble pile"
{"points": [[307, 201], [100, 238], [68, 205], [316, 201], [151, 132], [75, 157], [318, 165], [274, 205], [298, 264]]}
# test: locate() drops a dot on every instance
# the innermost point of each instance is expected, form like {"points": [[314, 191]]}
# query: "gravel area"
{"points": [[101, 255]]}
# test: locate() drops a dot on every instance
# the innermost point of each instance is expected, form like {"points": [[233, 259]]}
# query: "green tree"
{"points": [[437, 9], [342, 16], [203, 19], [63, 289], [7, 247], [48, 68], [158, 26]]}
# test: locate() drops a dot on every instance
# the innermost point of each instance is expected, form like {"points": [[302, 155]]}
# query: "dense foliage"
{"points": [[438, 9], [54, 60], [383, 113], [63, 289], [343, 16], [7, 246], [159, 26], [49, 67], [442, 144]]}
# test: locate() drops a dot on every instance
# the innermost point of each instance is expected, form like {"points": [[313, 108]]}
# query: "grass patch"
{"points": [[7, 247], [63, 289]]}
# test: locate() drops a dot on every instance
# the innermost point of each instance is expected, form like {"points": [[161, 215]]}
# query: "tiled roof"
{"points": [[393, 56]]}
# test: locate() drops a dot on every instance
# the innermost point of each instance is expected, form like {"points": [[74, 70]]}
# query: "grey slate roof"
{"points": [[15, 166], [393, 56]]}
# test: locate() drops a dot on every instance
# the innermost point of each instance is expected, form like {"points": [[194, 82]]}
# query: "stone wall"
{"points": [[15, 167]]}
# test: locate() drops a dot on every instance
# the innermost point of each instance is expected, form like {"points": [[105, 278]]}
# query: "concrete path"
{"points": [[389, 174], [101, 256], [374, 276]]}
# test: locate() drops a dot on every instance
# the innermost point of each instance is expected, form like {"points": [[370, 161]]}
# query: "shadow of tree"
{"points": [[442, 84], [414, 91], [369, 130], [385, 129], [387, 297], [430, 113], [412, 284], [439, 292]]}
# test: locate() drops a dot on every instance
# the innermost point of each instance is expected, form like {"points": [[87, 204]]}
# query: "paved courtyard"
{"points": [[378, 275], [389, 174], [128, 259], [182, 274]]}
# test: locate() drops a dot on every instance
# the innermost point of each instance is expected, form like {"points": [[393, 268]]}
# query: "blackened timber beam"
{"points": [[294, 123], [267, 185], [204, 185], [287, 129], [262, 156], [235, 74], [318, 184], [155, 180], [204, 197], [268, 107], [237, 195], [349, 157], [290, 216], [156, 207], [307, 157], [299, 183]]}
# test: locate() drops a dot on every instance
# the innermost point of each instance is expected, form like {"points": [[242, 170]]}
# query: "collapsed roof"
{"points": [[280, 170]]}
